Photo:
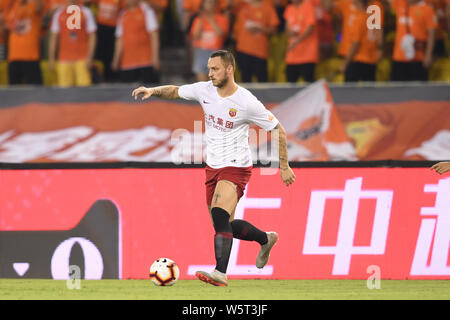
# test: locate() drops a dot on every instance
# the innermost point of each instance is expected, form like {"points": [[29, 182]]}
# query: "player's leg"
{"points": [[65, 74], [33, 72], [82, 74], [260, 69], [308, 70], [15, 72], [244, 230], [292, 73], [222, 206], [244, 64]]}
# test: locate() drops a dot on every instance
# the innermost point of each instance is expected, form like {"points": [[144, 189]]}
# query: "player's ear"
{"points": [[230, 69]]}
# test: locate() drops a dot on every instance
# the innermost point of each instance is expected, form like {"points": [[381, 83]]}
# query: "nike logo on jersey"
{"points": [[205, 102]]}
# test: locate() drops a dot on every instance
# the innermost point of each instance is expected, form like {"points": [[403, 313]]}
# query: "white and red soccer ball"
{"points": [[164, 272]]}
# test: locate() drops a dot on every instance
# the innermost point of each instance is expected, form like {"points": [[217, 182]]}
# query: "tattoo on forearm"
{"points": [[165, 92], [282, 149], [157, 92]]}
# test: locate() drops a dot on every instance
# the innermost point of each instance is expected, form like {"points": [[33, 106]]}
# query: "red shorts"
{"points": [[239, 176]]}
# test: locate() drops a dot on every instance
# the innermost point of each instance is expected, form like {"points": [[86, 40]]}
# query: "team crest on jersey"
{"points": [[232, 112]]}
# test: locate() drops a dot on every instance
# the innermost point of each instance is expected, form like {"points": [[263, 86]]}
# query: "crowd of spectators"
{"points": [[80, 42]]}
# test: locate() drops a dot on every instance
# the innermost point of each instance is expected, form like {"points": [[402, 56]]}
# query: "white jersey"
{"points": [[227, 122]]}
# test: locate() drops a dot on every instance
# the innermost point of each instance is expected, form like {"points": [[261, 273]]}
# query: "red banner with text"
{"points": [[332, 223]]}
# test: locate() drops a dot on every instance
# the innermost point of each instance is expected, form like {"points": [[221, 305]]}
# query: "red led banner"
{"points": [[332, 223]]}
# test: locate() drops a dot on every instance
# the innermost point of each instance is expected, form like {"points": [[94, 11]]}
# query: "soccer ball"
{"points": [[164, 272]]}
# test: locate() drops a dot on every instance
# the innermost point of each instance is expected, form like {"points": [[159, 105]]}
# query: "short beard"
{"points": [[222, 83]]}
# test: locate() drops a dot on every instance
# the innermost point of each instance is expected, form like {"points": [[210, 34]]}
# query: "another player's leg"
{"points": [[223, 203]]}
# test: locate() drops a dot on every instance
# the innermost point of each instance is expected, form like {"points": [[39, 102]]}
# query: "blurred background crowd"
{"points": [[83, 42]]}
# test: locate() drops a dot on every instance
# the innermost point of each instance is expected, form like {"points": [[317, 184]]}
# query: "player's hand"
{"points": [[144, 92], [115, 65], [287, 175], [441, 167], [343, 67], [427, 61], [89, 63], [157, 64]]}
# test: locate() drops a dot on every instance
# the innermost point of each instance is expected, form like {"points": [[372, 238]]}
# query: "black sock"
{"points": [[223, 239], [244, 230]]}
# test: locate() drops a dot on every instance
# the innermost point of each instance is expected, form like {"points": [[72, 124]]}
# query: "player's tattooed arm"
{"points": [[287, 175], [164, 92]]}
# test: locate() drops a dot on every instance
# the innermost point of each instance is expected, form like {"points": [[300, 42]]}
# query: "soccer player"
{"points": [[441, 167], [229, 109]]}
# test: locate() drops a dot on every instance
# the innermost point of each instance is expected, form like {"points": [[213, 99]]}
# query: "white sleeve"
{"points": [[189, 91], [151, 21], [259, 115], [54, 27], [91, 26]]}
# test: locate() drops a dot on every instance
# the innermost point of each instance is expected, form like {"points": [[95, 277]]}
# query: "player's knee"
{"points": [[221, 219], [225, 196]]}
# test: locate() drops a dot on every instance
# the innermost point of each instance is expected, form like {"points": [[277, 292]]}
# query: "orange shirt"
{"points": [[108, 11], [439, 7], [52, 5], [134, 27], [193, 6], [417, 19], [73, 44], [158, 3], [282, 3], [348, 12], [255, 44], [237, 5], [209, 39], [367, 49], [5, 6], [2, 34], [25, 26], [324, 23], [346, 9], [299, 18]]}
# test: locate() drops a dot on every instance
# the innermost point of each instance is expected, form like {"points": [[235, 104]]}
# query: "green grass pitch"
{"points": [[36, 289]]}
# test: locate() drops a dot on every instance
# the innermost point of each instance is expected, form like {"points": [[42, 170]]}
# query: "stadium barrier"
{"points": [[337, 221], [323, 122]]}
